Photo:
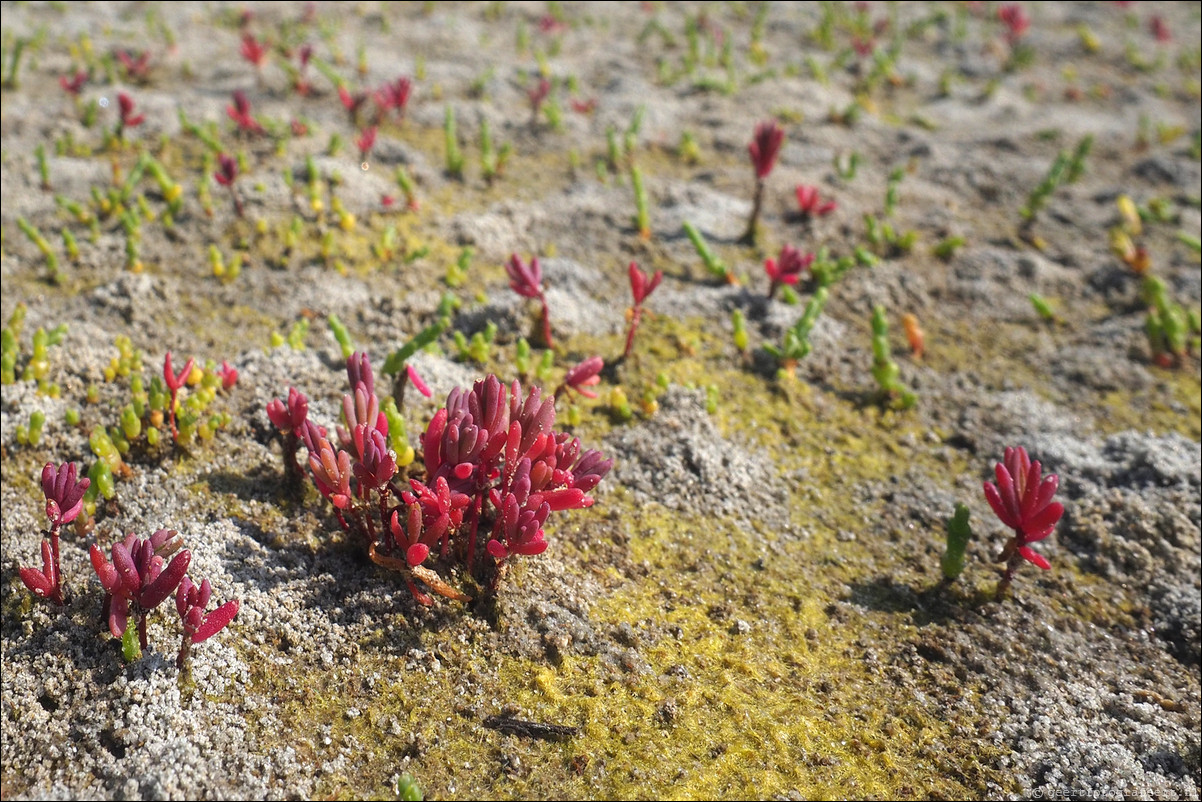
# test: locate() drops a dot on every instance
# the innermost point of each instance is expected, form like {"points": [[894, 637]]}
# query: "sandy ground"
{"points": [[753, 606]]}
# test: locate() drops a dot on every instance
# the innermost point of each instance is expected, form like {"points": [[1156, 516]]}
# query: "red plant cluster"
{"points": [[494, 467], [136, 68], [389, 97], [139, 578], [394, 95]]}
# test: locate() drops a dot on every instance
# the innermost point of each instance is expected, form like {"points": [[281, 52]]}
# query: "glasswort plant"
{"points": [[494, 467], [763, 149], [64, 501], [1023, 501]]}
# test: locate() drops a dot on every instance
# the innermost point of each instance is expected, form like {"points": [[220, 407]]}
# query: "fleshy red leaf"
{"points": [[1032, 556], [216, 621], [417, 554], [1043, 521], [127, 571], [166, 582], [110, 579], [999, 507], [36, 581], [118, 615]]}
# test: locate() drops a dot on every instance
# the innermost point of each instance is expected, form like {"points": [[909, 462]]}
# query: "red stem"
{"points": [[237, 200], [757, 201], [293, 472], [57, 592], [636, 316], [475, 525], [1012, 565], [546, 322], [185, 646]]}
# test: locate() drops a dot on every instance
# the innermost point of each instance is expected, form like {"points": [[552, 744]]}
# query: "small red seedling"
{"points": [[199, 626], [254, 51], [810, 204], [64, 501], [128, 119], [527, 281], [763, 149], [73, 85], [226, 175], [537, 94], [1023, 502], [787, 268], [239, 112], [174, 383], [640, 289], [581, 377], [365, 141], [290, 419]]}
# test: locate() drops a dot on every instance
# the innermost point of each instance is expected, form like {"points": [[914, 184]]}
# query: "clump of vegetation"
{"points": [[495, 468]]}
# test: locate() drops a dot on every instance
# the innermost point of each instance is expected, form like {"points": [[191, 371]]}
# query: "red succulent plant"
{"points": [[764, 147], [640, 289], [527, 281], [128, 119], [199, 626], [139, 578], [1023, 501], [810, 204], [787, 268], [492, 459], [226, 175], [239, 112], [64, 501]]}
